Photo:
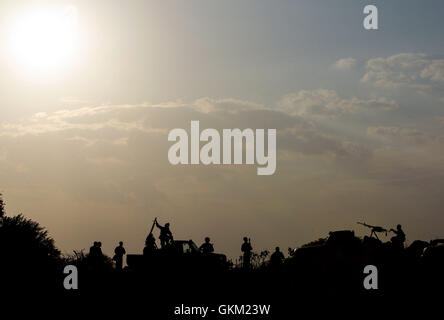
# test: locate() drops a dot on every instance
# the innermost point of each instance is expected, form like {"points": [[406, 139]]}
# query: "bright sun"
{"points": [[44, 40]]}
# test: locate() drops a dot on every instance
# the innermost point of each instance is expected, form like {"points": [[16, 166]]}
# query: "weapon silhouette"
{"points": [[150, 235], [374, 229], [152, 227]]}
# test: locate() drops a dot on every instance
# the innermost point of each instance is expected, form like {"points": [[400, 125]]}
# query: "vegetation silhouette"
{"points": [[28, 254], [2, 206]]}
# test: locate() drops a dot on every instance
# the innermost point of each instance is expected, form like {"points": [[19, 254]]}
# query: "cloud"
{"points": [[107, 165], [74, 101], [407, 70], [116, 154], [397, 134], [344, 64], [207, 105], [115, 124], [117, 117], [440, 120], [89, 124], [314, 142], [327, 103]]}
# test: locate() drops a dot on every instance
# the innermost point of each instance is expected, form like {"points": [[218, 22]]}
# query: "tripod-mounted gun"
{"points": [[374, 229]]}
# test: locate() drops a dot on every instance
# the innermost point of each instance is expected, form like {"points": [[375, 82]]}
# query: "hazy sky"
{"points": [[359, 118]]}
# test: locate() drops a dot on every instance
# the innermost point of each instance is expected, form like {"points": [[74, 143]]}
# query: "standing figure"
{"points": [[93, 250], [246, 249], [99, 250], [207, 247], [118, 255], [165, 237], [276, 258]]}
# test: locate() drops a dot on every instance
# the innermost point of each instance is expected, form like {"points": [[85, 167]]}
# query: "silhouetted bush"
{"points": [[29, 256], [77, 258], [82, 261], [2, 206]]}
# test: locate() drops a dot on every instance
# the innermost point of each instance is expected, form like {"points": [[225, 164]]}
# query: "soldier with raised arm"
{"points": [[165, 237]]}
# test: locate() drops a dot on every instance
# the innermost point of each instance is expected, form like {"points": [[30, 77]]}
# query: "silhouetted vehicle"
{"points": [[338, 255], [180, 254], [340, 244], [434, 253], [337, 244], [416, 249]]}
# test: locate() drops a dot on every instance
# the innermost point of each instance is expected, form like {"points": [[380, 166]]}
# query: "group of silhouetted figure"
{"points": [[96, 257], [166, 241]]}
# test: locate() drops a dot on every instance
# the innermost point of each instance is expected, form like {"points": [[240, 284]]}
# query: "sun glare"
{"points": [[44, 40]]}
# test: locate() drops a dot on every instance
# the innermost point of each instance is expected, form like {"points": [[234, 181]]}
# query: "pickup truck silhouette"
{"points": [[179, 255]]}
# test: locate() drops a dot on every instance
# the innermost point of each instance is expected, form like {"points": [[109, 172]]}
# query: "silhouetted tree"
{"points": [[2, 206], [29, 256], [24, 236]]}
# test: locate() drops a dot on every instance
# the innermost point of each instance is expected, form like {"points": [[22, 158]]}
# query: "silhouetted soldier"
{"points": [[95, 254], [99, 250], [207, 247], [399, 239], [276, 258], [246, 249], [93, 250], [118, 255], [166, 237], [150, 245]]}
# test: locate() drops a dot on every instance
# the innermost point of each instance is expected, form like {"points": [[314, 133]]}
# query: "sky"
{"points": [[87, 100]]}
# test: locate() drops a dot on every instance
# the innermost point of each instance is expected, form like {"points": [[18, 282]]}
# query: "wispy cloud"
{"points": [[344, 64], [328, 103], [416, 71]]}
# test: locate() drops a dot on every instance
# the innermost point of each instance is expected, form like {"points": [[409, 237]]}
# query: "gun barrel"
{"points": [[365, 225]]}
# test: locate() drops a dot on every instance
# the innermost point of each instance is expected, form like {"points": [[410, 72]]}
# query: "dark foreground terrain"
{"points": [[321, 278]]}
